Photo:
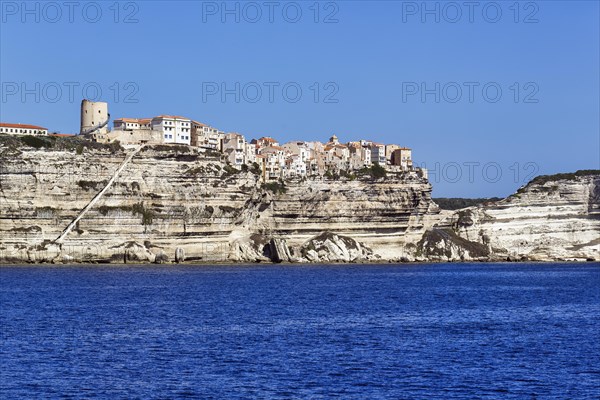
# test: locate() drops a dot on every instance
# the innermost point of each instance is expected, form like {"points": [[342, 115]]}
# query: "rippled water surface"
{"points": [[364, 332]]}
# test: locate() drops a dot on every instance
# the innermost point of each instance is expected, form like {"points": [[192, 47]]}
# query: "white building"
{"points": [[301, 149], [22, 129], [273, 161], [294, 166], [173, 128], [206, 136], [132, 124], [378, 153], [250, 153]]}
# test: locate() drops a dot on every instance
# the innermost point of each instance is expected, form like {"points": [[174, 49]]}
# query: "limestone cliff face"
{"points": [[174, 204], [171, 200], [551, 218]]}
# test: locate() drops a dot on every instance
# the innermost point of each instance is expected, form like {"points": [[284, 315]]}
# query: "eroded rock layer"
{"points": [[177, 204], [169, 201], [552, 218]]}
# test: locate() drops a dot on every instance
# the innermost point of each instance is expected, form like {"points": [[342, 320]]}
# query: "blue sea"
{"points": [[444, 331]]}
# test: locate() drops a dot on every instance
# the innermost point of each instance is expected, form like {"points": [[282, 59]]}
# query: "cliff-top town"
{"points": [[292, 159]]}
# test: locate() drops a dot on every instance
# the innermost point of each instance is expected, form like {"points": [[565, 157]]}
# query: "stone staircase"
{"points": [[98, 196]]}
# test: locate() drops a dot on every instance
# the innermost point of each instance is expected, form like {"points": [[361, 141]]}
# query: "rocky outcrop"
{"points": [[445, 245], [279, 251], [329, 247], [325, 247], [553, 218]]}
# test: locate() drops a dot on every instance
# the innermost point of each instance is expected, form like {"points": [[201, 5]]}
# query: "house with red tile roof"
{"points": [[22, 129]]}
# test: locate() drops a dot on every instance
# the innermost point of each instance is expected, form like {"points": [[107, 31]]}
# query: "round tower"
{"points": [[94, 117]]}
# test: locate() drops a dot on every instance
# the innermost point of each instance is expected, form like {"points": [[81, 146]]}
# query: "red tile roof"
{"points": [[21, 126], [141, 121], [170, 117]]}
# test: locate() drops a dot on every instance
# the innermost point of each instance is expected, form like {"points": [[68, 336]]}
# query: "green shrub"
{"points": [[377, 171], [275, 187], [36, 142], [228, 171], [458, 203], [540, 180], [256, 169]]}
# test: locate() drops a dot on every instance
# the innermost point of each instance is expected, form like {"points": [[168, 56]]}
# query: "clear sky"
{"points": [[475, 89]]}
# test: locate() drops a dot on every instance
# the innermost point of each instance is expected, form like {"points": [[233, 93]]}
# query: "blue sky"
{"points": [[369, 60]]}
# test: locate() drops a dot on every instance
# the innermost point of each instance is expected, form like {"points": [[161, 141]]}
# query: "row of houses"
{"points": [[275, 160], [296, 158]]}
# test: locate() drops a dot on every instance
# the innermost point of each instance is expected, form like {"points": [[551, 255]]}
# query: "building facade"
{"points": [[174, 129], [22, 129], [94, 117], [234, 148], [402, 157]]}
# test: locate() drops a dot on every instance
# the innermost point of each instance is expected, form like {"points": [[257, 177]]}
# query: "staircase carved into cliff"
{"points": [[98, 196]]}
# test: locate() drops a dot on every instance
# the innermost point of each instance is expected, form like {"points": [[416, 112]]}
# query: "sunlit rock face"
{"points": [[170, 200], [173, 203], [552, 218]]}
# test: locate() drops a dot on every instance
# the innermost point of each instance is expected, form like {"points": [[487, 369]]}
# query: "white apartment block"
{"points": [[294, 166], [22, 129], [173, 128], [378, 154], [250, 153]]}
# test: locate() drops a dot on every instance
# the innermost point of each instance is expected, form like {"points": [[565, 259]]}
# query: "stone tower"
{"points": [[94, 117]]}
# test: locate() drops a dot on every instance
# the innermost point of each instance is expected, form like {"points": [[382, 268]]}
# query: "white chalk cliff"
{"points": [[552, 218], [68, 204]]}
